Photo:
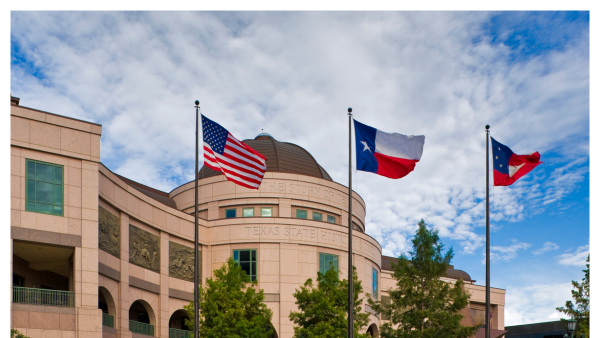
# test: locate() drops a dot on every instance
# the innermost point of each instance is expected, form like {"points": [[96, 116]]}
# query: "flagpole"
{"points": [[487, 232], [196, 270], [350, 267]]}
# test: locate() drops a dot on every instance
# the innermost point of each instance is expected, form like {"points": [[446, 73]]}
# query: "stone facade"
{"points": [[135, 253]]}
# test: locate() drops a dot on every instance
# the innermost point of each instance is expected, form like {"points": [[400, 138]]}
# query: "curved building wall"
{"points": [[287, 247]]}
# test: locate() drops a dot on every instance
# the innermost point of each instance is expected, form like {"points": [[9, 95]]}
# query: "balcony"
{"points": [[177, 333], [141, 328], [34, 296]]}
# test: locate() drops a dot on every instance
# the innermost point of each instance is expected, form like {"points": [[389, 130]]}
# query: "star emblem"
{"points": [[366, 146], [501, 166], [496, 157]]}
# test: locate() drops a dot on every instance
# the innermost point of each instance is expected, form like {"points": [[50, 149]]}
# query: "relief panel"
{"points": [[144, 249], [109, 232], [181, 262]]}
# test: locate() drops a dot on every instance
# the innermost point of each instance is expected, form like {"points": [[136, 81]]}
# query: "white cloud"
{"points": [[535, 303], [548, 246], [506, 253], [294, 74], [577, 258]]}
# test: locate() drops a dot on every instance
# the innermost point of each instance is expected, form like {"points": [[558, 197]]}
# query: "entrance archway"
{"points": [[373, 331], [107, 305], [141, 318], [177, 320]]}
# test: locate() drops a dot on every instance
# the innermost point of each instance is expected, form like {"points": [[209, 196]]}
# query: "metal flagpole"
{"points": [[487, 231], [196, 270], [350, 267]]}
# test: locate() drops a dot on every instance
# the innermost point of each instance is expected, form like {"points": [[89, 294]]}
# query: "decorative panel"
{"points": [[181, 262], [144, 249], [109, 232]]}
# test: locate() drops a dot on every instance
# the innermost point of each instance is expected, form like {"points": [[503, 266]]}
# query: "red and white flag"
{"points": [[222, 152]]}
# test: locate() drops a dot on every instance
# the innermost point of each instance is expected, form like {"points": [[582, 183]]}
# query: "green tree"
{"points": [[16, 334], [324, 308], [580, 311], [422, 305], [230, 306]]}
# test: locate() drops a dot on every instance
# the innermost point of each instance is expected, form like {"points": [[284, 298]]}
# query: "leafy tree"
{"points": [[16, 334], [580, 311], [230, 306], [324, 308], [422, 305]]}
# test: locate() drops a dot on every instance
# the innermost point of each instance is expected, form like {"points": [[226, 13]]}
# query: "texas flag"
{"points": [[509, 167], [391, 155]]}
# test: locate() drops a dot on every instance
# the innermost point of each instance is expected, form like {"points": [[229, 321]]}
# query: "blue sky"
{"points": [[444, 75]]}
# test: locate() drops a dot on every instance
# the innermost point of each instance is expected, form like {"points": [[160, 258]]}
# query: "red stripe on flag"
{"points": [[394, 167]]}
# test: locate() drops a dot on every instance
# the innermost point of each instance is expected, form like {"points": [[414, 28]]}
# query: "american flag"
{"points": [[222, 152]]}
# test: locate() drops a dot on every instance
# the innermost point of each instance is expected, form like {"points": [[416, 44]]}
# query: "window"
{"points": [[44, 187], [375, 284], [248, 212], [330, 219], [326, 261], [247, 260], [266, 212], [301, 213], [317, 216], [230, 213]]}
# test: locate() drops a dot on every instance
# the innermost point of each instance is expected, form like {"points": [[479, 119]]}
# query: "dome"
{"points": [[281, 157]]}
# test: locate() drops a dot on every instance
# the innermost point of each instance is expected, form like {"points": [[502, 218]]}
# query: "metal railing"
{"points": [[177, 333], [43, 297], [141, 328], [108, 320]]}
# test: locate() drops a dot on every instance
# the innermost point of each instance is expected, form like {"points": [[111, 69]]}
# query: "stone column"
{"points": [[122, 323], [164, 315], [90, 316]]}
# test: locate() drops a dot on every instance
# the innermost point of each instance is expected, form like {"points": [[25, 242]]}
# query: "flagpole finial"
{"points": [[487, 126], [197, 102], [350, 110]]}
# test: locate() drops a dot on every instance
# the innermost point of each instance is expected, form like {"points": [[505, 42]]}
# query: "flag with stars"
{"points": [[391, 155], [508, 166], [222, 152]]}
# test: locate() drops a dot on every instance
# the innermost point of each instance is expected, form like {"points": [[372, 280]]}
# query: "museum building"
{"points": [[95, 254]]}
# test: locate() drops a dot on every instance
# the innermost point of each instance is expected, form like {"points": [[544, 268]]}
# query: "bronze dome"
{"points": [[281, 157]]}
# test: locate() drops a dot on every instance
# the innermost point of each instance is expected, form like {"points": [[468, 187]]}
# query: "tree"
{"points": [[422, 305], [16, 334], [231, 307], [580, 311], [324, 308]]}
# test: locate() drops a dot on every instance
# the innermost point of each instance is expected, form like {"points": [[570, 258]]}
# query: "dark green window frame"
{"points": [[317, 216], [375, 283], [230, 213], [246, 258], [325, 261], [331, 219], [301, 213], [41, 180]]}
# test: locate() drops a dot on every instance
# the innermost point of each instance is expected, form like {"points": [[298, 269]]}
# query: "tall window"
{"points": [[330, 219], [301, 213], [385, 300], [247, 260], [317, 216], [230, 213], [248, 212], [375, 283], [266, 212], [326, 261], [44, 187]]}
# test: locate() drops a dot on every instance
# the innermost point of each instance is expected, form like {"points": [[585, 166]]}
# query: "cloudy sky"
{"points": [[444, 75]]}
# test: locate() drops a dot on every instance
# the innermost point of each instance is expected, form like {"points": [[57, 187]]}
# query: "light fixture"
{"points": [[571, 324]]}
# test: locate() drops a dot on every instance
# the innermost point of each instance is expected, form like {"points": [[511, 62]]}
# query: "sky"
{"points": [[444, 75]]}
